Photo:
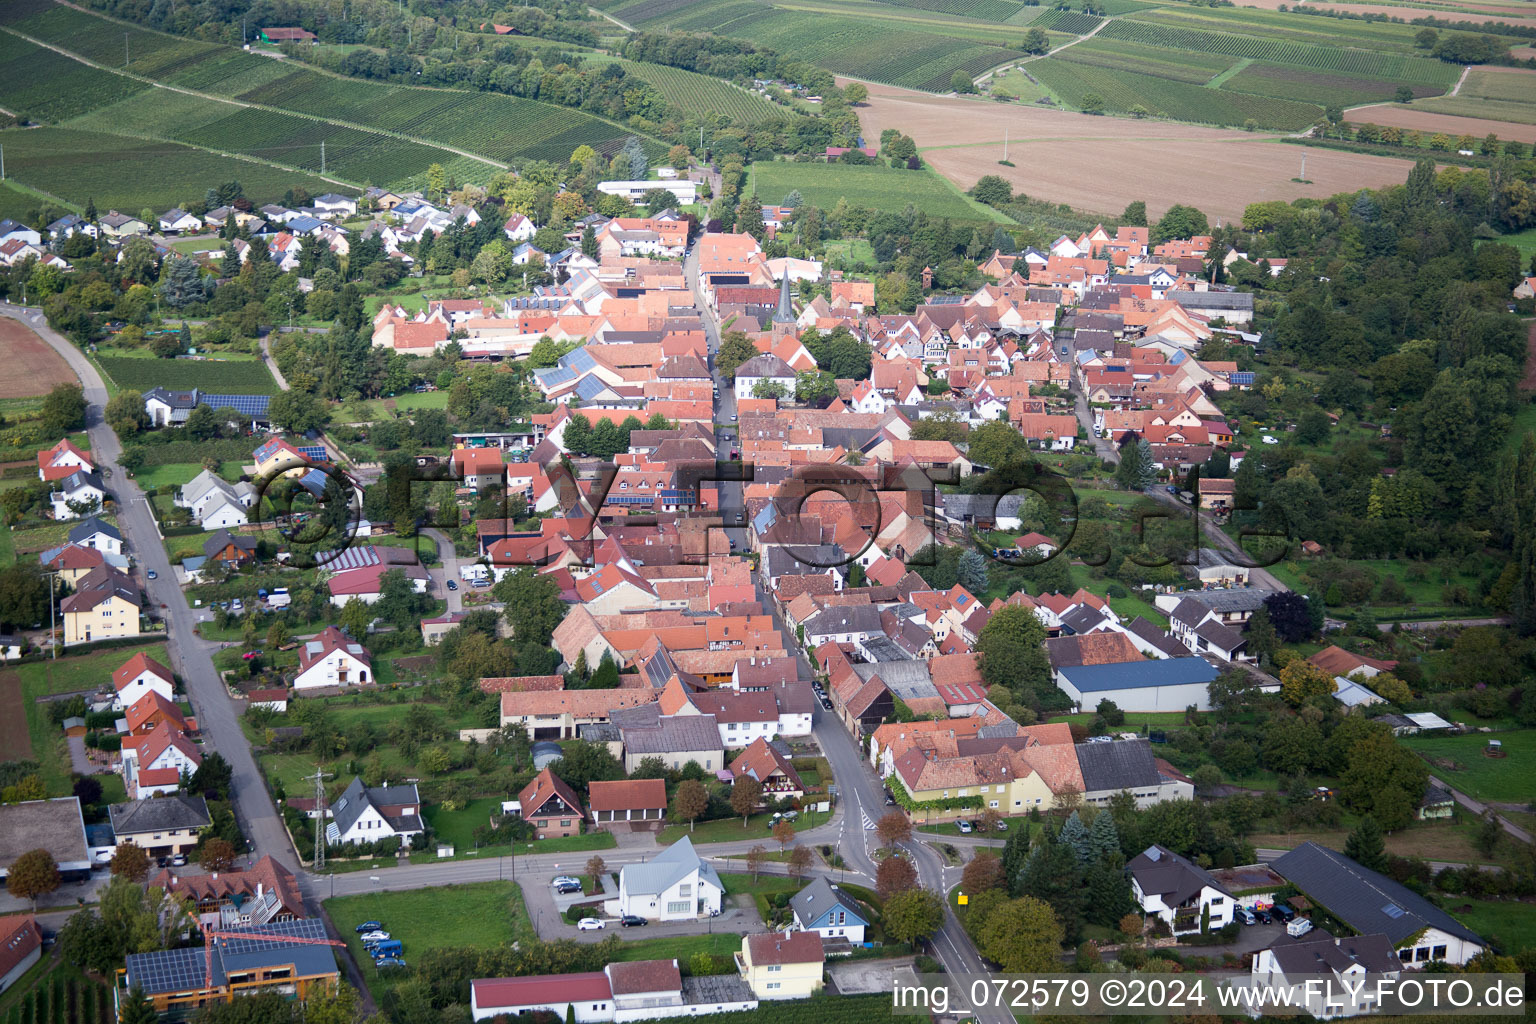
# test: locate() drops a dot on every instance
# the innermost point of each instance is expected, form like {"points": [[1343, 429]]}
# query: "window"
{"points": [[775, 968], [993, 803], [566, 823], [1421, 953], [685, 890], [1438, 953], [773, 984], [1218, 901], [842, 917], [679, 906]]}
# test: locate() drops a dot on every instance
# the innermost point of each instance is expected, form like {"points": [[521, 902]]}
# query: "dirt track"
{"points": [[15, 740], [1103, 163], [31, 367]]}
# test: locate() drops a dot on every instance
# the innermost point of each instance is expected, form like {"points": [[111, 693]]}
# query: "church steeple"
{"points": [[785, 313]]}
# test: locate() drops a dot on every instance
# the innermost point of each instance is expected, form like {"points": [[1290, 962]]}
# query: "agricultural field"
{"points": [[914, 52], [1494, 94], [869, 186], [702, 94], [986, 10], [44, 86], [1195, 68], [33, 368], [962, 139], [1073, 22], [228, 376], [1123, 91], [1420, 118], [1325, 88], [500, 128], [136, 173]]}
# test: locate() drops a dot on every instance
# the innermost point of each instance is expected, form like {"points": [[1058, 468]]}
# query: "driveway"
{"points": [[190, 656], [448, 571]]}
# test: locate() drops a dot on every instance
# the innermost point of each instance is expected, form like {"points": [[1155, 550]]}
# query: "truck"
{"points": [[279, 598]]}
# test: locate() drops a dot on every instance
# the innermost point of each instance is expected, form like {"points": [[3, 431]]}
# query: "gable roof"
{"points": [[137, 666], [760, 761], [542, 788], [785, 948], [1121, 764], [627, 795], [1139, 674], [1161, 872], [19, 938], [662, 871], [159, 814], [90, 527], [821, 896], [1363, 899]]}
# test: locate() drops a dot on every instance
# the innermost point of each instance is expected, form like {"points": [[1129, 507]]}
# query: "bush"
{"points": [[926, 964]]}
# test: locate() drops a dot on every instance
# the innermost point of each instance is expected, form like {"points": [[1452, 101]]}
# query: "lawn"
{"points": [[1459, 760], [66, 675], [870, 186], [1447, 840], [176, 473], [727, 830], [857, 251], [458, 827], [483, 915], [1509, 925], [231, 375], [1525, 241], [386, 408], [1133, 719]]}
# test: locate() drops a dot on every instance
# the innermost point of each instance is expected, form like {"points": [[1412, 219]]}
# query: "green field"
{"points": [[1460, 762], [121, 172], [1509, 925], [902, 46], [698, 94], [1123, 91], [228, 376], [871, 186], [501, 128], [66, 675], [483, 915]]}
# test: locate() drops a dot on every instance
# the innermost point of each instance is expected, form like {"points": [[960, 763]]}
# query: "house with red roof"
{"points": [[550, 806], [152, 710], [331, 658], [624, 800], [771, 769], [138, 676], [154, 763], [21, 946], [62, 460]]}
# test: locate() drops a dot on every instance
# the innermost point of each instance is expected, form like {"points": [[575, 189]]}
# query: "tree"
{"points": [[755, 858], [746, 793], [492, 264], [137, 1009], [1135, 214], [913, 915], [1180, 222], [182, 283], [783, 833], [217, 855], [971, 571], [1023, 936], [298, 412], [799, 861], [596, 866], [982, 872], [815, 387], [1294, 616], [892, 828], [125, 413], [997, 444], [33, 874], [1092, 103], [1489, 834], [1383, 779], [690, 801], [1137, 469], [735, 349], [63, 410], [531, 605], [961, 82], [1263, 641], [1404, 94], [855, 93], [992, 189], [1012, 650], [1052, 873], [1301, 680], [895, 874], [1035, 41], [131, 862], [1365, 845]]}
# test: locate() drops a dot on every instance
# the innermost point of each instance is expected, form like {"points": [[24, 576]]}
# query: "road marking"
{"points": [[869, 824]]}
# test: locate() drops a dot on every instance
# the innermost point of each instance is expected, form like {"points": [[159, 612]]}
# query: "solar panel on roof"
{"points": [[313, 451], [1393, 911], [246, 405], [1242, 377]]}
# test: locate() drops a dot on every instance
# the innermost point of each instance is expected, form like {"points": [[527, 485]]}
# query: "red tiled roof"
{"points": [[138, 665], [785, 948], [627, 795], [542, 990], [19, 937]]}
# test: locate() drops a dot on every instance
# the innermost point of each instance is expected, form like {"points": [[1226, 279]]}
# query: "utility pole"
{"points": [[322, 156], [1005, 145], [125, 49], [2, 163], [319, 777]]}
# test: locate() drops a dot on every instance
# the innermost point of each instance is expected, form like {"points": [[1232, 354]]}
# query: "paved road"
{"points": [[448, 571], [859, 792], [1478, 808], [266, 357], [190, 655]]}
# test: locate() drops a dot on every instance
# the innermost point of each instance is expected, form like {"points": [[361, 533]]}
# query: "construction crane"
{"points": [[210, 934]]}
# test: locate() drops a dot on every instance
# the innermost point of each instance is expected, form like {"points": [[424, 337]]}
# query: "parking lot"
{"points": [[546, 908]]}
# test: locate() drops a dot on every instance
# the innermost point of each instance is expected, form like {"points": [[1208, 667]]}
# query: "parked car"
{"points": [[1298, 927], [375, 936], [388, 961], [589, 924], [563, 879], [791, 815], [1002, 826], [152, 574], [890, 801], [964, 826], [1246, 916], [826, 704], [180, 860], [369, 926], [632, 921], [1264, 918], [1283, 913], [453, 585], [568, 888]]}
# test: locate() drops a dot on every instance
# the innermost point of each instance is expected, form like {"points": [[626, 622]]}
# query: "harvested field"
{"points": [[15, 742], [32, 367], [963, 140], [1428, 121]]}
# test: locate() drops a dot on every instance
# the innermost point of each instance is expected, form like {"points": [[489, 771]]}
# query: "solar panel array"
{"points": [[1242, 377], [167, 970], [314, 452], [254, 406]]}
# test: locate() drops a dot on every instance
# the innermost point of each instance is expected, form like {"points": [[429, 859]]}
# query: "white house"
{"points": [[1178, 892], [674, 885], [138, 676], [1357, 964], [685, 192], [154, 762], [766, 367], [626, 991], [1168, 684], [175, 222], [519, 228], [93, 533], [81, 488], [332, 659], [1370, 903], [215, 503], [335, 205], [823, 908], [367, 815]]}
